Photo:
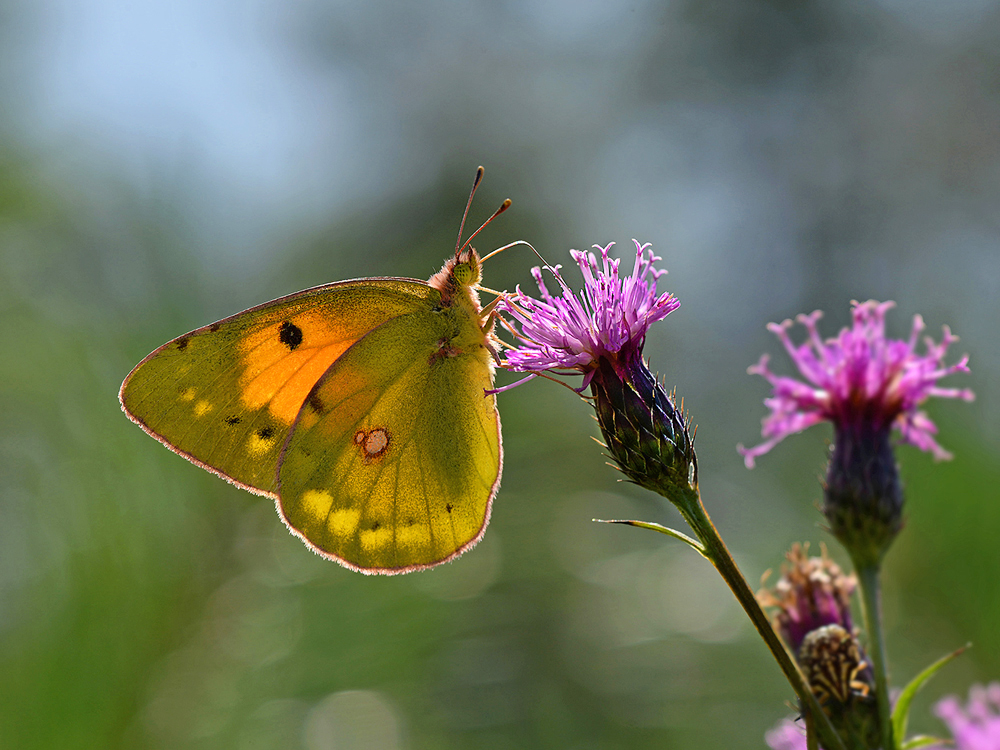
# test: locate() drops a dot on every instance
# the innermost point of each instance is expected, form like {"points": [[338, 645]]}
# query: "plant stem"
{"points": [[871, 598], [811, 742], [697, 517]]}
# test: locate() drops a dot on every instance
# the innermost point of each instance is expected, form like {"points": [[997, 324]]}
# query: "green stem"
{"points": [[697, 517], [812, 743], [871, 599]]}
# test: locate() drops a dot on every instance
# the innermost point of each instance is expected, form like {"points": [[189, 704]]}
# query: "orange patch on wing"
{"points": [[281, 378], [289, 399]]}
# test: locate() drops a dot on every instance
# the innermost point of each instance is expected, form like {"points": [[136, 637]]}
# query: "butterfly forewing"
{"points": [[396, 455], [226, 396]]}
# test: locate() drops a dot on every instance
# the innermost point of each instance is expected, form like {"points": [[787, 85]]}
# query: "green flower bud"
{"points": [[646, 434]]}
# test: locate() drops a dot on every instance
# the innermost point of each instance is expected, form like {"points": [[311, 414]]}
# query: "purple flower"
{"points": [[977, 725], [858, 377], [788, 735], [811, 592], [600, 333], [607, 320]]}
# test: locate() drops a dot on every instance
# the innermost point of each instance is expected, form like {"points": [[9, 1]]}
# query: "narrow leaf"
{"points": [[901, 714], [923, 740], [693, 543]]}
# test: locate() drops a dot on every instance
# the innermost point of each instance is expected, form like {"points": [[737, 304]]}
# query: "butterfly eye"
{"points": [[465, 274]]}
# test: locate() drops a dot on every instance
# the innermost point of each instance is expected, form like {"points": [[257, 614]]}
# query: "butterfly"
{"points": [[360, 406]]}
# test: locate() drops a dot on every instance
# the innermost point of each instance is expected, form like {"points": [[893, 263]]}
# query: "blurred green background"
{"points": [[163, 165]]}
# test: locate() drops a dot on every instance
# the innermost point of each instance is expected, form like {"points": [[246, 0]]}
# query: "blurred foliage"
{"points": [[145, 603]]}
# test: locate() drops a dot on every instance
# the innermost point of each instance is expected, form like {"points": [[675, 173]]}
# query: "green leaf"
{"points": [[693, 543], [922, 740], [901, 714]]}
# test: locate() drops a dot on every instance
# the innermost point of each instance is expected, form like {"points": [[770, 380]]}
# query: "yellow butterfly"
{"points": [[359, 406]]}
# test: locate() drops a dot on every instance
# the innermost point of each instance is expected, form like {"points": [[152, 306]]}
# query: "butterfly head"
{"points": [[467, 269], [458, 278]]}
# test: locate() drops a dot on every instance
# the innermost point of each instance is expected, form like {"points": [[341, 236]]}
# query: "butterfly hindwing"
{"points": [[396, 455], [226, 396]]}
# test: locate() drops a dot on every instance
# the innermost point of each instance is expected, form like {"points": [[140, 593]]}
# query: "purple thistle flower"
{"points": [[607, 320], [788, 735], [866, 385], [977, 725], [859, 376], [600, 333], [812, 592]]}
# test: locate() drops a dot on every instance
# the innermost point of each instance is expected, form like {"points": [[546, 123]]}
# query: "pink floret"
{"points": [[976, 726], [786, 736], [857, 376], [609, 318]]}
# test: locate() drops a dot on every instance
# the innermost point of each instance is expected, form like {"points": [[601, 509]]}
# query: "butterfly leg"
{"points": [[490, 311], [492, 342]]}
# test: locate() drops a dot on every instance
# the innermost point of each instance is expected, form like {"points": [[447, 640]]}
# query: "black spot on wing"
{"points": [[265, 433], [233, 420], [182, 343], [315, 402], [215, 327], [290, 335]]}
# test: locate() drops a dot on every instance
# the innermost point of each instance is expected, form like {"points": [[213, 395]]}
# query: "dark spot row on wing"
{"points": [[315, 403], [233, 420], [290, 335], [265, 433]]}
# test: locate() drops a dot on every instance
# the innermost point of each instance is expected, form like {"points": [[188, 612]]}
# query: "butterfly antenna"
{"points": [[472, 193], [503, 207]]}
